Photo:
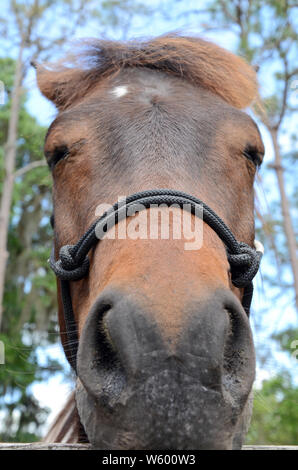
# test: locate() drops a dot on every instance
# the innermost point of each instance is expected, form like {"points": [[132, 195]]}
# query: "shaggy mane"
{"points": [[193, 59]]}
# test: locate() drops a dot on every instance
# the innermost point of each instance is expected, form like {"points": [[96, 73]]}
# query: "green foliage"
{"points": [[30, 290], [288, 341], [275, 413], [22, 414]]}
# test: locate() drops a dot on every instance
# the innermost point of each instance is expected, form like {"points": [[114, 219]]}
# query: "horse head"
{"points": [[165, 357]]}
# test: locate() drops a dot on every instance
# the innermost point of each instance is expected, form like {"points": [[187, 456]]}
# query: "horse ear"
{"points": [[61, 86]]}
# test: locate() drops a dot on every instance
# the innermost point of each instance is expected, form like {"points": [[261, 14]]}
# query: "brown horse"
{"points": [[166, 357]]}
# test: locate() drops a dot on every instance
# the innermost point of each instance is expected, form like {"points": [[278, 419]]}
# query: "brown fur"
{"points": [[193, 59]]}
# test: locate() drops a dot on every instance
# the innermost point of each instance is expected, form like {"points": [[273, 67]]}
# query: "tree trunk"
{"points": [[287, 221], [10, 151]]}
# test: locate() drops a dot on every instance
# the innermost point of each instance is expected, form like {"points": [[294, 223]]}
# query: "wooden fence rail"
{"points": [[58, 446]]}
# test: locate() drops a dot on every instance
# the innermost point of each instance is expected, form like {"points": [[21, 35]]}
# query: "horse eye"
{"points": [[58, 154], [252, 154]]}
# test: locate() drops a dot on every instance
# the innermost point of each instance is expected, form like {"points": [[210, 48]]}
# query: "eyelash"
{"points": [[253, 155], [62, 152], [59, 154]]}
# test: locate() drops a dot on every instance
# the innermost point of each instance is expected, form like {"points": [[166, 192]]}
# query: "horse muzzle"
{"points": [[137, 389]]}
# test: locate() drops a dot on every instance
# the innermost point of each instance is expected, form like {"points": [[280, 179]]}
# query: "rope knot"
{"points": [[67, 267], [244, 265], [67, 258]]}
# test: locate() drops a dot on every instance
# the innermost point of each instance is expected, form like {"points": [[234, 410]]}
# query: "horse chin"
{"points": [[168, 410]]}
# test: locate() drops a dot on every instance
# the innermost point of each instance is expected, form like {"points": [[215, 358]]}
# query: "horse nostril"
{"points": [[98, 364], [105, 350], [237, 361]]}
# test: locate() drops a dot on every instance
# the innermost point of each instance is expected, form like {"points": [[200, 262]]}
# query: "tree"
{"points": [[30, 297]]}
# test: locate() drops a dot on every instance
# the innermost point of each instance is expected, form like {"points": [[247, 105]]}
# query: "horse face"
{"points": [[166, 357]]}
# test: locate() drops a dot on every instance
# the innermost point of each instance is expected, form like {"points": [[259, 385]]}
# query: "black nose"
{"points": [[122, 344]]}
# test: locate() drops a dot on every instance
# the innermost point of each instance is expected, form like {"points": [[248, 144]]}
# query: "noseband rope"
{"points": [[73, 261]]}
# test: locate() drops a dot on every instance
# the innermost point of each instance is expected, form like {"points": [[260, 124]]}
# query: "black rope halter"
{"points": [[73, 261]]}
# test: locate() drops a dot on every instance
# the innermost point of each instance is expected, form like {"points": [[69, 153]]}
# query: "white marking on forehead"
{"points": [[119, 91]]}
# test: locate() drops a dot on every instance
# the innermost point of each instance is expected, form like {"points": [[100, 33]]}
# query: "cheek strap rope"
{"points": [[73, 261]]}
